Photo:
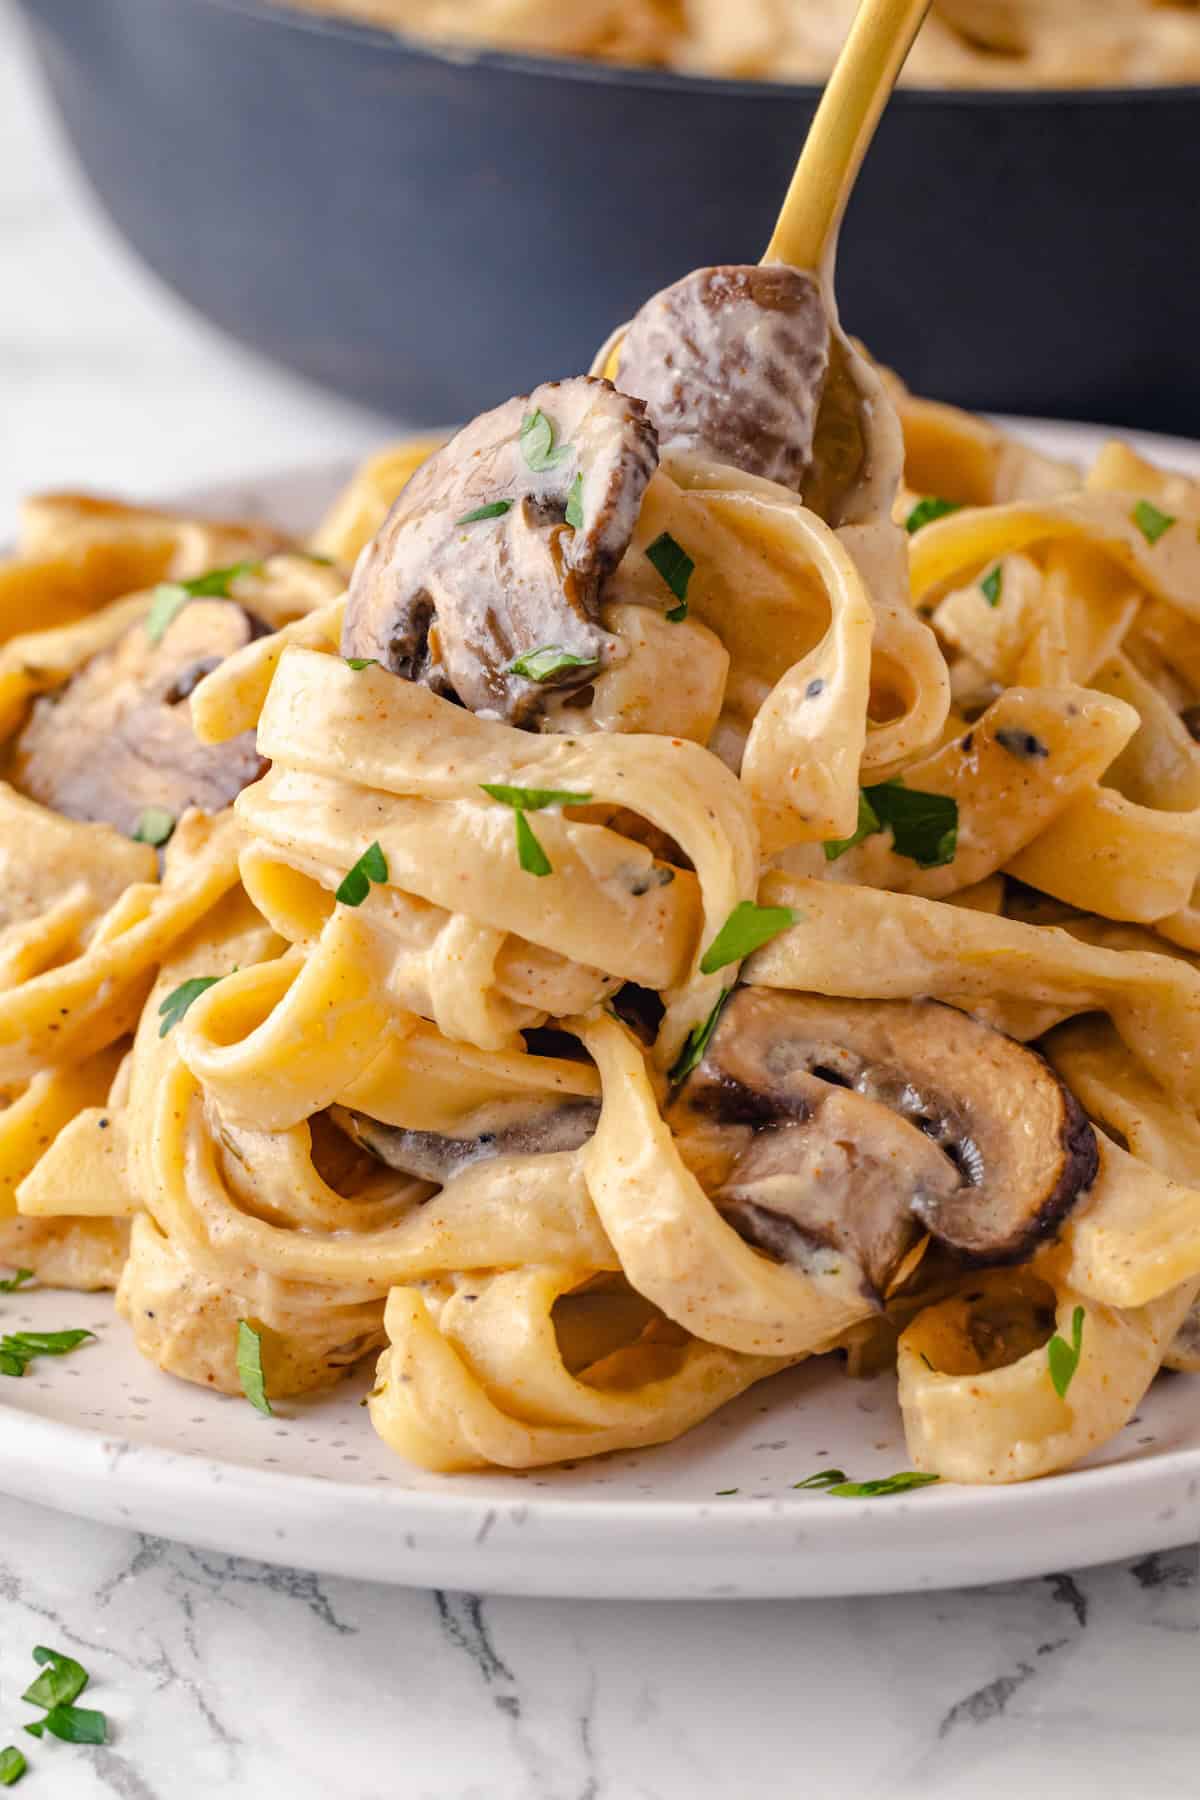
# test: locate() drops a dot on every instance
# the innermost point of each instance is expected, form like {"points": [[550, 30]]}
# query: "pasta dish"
{"points": [[964, 43], [696, 872]]}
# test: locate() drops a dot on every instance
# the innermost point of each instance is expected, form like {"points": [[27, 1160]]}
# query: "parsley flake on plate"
{"points": [[15, 1281], [824, 1478], [885, 1484], [250, 1369], [747, 928], [18, 1349]]}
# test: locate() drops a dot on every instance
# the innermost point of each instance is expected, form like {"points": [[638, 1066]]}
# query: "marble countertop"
{"points": [[273, 1684]]}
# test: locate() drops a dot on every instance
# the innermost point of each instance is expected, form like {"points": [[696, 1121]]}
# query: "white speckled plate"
{"points": [[103, 1434]]}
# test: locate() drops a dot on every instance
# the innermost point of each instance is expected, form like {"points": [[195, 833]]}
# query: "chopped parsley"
{"points": [[495, 509], [676, 568], [929, 509], [992, 584], [1150, 522], [13, 1282], [575, 504], [722, 1492], [12, 1766], [545, 661], [868, 825], [537, 443], [62, 1679], [250, 1369], [181, 998], [170, 597], [885, 1484], [154, 825], [696, 1042], [356, 883], [924, 826], [747, 928], [1063, 1358], [530, 855], [19, 1350], [824, 1478], [359, 663], [73, 1724]]}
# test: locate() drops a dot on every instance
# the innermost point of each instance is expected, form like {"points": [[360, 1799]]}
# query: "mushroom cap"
{"points": [[451, 601], [858, 1123], [731, 362], [118, 738], [505, 1128]]}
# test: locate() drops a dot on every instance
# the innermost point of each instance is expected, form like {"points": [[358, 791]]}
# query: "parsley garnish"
{"points": [[73, 1724], [824, 1478], [358, 663], [924, 826], [179, 999], [747, 928], [575, 503], [675, 566], [356, 883], [16, 1281], [991, 585], [12, 1766], [250, 1369], [1150, 522], [722, 1492], [885, 1484], [495, 509], [530, 855], [170, 597], [696, 1042], [868, 825], [62, 1679], [929, 509], [154, 825], [19, 1350], [537, 443], [1063, 1357], [545, 661]]}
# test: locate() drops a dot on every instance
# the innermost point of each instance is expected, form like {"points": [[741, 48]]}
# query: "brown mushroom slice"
{"points": [[505, 1128], [731, 362], [476, 565], [118, 739], [826, 1112]]}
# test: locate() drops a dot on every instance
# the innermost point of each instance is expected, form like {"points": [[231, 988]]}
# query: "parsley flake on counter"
{"points": [[924, 826], [884, 1484], [545, 661], [356, 883], [1062, 1357], [824, 1478], [868, 825], [1151, 522], [537, 443], [170, 597], [12, 1766], [181, 998], [19, 1349], [747, 928], [676, 568], [359, 663], [73, 1724], [495, 509], [530, 855], [154, 825], [250, 1369], [13, 1282], [929, 509], [696, 1041], [62, 1679], [575, 503], [991, 585]]}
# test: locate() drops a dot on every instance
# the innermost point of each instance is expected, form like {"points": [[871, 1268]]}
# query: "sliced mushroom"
{"points": [[510, 1128], [452, 600], [856, 1124], [731, 362], [118, 738]]}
